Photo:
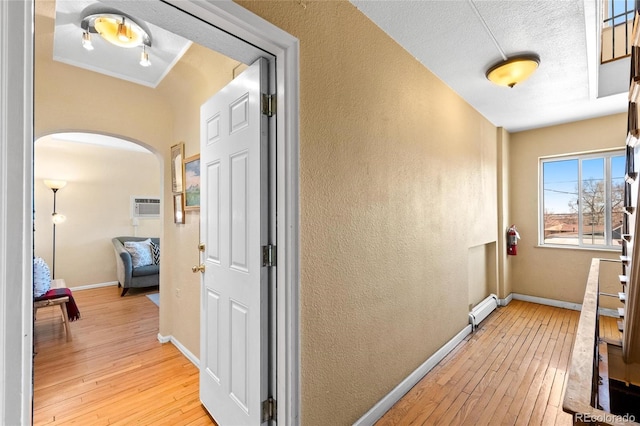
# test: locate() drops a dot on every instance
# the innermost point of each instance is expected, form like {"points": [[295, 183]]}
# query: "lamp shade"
{"points": [[513, 70], [55, 184]]}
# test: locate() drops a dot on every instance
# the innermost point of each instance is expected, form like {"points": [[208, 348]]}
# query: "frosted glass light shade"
{"points": [[55, 184], [58, 218], [513, 71]]}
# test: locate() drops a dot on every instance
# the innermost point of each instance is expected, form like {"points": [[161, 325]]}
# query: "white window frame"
{"points": [[607, 155]]}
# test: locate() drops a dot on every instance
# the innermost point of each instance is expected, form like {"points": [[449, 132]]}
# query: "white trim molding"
{"points": [[378, 410], [16, 211], [182, 348], [548, 302], [506, 300], [90, 286], [163, 339], [559, 304]]}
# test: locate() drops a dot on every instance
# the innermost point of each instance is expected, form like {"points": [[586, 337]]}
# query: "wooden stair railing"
{"points": [[586, 395]]}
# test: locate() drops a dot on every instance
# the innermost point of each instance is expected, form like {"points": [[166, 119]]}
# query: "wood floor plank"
{"points": [[488, 411], [524, 415], [511, 371], [114, 371], [555, 368]]}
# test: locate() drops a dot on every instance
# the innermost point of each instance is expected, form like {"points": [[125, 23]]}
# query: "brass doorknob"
{"points": [[198, 268]]}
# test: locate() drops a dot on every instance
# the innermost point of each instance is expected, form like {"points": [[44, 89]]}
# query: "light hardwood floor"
{"points": [[114, 371], [511, 371]]}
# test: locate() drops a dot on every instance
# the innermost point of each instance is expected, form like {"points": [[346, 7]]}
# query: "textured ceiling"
{"points": [[449, 39]]}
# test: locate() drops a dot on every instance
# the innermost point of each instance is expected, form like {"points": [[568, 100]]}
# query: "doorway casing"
{"points": [[16, 193]]}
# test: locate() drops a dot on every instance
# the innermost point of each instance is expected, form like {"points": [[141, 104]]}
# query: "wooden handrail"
{"points": [[579, 394]]}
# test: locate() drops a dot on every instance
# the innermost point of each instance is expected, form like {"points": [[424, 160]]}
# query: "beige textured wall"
{"points": [[198, 76], [554, 273], [504, 216], [398, 181], [69, 98], [482, 273], [96, 202]]}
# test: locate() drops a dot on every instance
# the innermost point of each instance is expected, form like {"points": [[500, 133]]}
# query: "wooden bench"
{"points": [[59, 301]]}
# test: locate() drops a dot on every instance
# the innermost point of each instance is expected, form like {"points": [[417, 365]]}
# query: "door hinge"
{"points": [[268, 410], [269, 255], [268, 105]]}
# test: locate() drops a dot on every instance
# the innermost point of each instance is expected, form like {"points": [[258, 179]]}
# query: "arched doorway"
{"points": [[104, 174]]}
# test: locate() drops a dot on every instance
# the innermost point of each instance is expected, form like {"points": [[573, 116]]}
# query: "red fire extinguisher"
{"points": [[512, 240]]}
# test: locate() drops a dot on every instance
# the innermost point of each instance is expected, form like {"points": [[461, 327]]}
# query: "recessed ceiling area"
{"points": [[124, 63]]}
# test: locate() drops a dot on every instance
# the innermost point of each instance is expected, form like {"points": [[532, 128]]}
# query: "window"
{"points": [[582, 200], [616, 29], [618, 12]]}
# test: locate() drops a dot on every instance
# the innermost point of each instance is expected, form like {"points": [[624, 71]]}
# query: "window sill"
{"points": [[567, 247]]}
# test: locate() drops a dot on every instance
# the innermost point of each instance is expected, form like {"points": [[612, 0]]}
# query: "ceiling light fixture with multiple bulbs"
{"points": [[508, 71], [119, 30]]}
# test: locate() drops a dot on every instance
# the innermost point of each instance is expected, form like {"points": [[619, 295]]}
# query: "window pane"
{"points": [[593, 202], [560, 202], [617, 199], [619, 7]]}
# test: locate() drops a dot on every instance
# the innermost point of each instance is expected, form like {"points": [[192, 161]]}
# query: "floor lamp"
{"points": [[56, 217]]}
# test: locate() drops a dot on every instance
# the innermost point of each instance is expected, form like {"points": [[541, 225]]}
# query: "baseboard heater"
{"points": [[482, 310]]}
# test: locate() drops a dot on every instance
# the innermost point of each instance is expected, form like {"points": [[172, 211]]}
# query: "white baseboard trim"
{"points": [[378, 410], [548, 302], [562, 304], [506, 300], [163, 339], [186, 352], [90, 286]]}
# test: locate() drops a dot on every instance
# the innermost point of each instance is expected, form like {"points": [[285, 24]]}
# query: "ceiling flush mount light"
{"points": [[117, 29], [509, 71], [514, 70]]}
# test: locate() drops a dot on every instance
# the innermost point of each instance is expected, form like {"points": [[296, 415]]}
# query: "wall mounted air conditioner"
{"points": [[145, 207]]}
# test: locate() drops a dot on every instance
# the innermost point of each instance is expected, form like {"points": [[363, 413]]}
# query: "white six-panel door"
{"points": [[234, 227]]}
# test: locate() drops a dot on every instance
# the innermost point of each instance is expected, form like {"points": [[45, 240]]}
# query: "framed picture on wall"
{"points": [[192, 182], [177, 171], [178, 208]]}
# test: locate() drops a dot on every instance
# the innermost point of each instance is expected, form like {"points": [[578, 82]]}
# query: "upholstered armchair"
{"points": [[137, 262]]}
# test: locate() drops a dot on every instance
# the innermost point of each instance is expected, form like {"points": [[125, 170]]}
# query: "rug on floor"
{"points": [[155, 298]]}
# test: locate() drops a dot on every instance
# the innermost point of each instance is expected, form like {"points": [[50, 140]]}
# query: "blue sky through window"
{"points": [[560, 185], [617, 7], [561, 180]]}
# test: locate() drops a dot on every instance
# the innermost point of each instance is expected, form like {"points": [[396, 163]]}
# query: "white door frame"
{"points": [[16, 194]]}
